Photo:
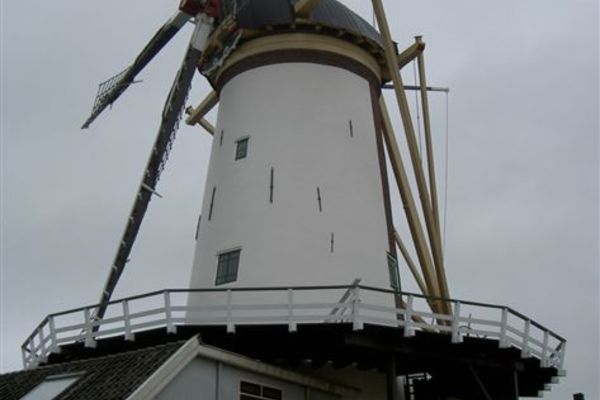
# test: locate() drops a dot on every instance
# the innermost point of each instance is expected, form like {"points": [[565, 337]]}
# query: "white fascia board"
{"points": [[167, 372], [192, 349]]}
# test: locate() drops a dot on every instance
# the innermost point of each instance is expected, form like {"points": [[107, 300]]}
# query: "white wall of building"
{"points": [[296, 116], [209, 379]]}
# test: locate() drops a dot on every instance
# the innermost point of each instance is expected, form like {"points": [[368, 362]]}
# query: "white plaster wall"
{"points": [[297, 117]]}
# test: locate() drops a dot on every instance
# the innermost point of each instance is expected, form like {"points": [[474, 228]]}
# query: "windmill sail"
{"points": [[110, 90], [171, 116]]}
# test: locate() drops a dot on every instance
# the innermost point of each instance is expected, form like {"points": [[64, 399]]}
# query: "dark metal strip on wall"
{"points": [[319, 199], [332, 242], [212, 202], [271, 185], [198, 226]]}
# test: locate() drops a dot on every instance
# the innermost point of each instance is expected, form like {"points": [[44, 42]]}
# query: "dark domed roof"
{"points": [[328, 13]]}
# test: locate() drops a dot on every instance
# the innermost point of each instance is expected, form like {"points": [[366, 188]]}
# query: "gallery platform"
{"points": [[480, 349]]}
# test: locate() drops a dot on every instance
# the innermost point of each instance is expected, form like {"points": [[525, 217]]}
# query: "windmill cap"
{"points": [[329, 14]]}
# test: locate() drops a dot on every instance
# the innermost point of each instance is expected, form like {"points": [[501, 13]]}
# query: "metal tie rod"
{"points": [[411, 87]]}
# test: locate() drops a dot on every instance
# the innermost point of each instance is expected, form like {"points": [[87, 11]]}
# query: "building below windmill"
{"points": [[295, 290], [168, 371]]}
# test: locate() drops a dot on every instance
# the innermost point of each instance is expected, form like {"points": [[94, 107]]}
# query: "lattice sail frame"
{"points": [[105, 88]]}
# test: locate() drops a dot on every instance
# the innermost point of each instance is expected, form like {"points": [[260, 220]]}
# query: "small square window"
{"points": [[241, 148], [227, 267]]}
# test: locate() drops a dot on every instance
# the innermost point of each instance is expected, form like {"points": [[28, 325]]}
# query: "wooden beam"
{"points": [[410, 54], [411, 264], [198, 113], [413, 269], [203, 122], [431, 170], [408, 201], [207, 126], [409, 130], [417, 318], [303, 8]]}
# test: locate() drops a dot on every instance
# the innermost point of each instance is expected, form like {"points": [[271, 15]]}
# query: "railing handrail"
{"points": [[166, 293], [304, 288]]}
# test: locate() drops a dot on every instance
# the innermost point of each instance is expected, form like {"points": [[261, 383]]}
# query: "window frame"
{"points": [[246, 141], [71, 377], [225, 278], [394, 272], [262, 386]]}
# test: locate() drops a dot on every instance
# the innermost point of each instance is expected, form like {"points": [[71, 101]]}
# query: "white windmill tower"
{"points": [[295, 262], [297, 190]]}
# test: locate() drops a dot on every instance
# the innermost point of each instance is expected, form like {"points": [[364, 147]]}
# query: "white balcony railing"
{"points": [[355, 304]]}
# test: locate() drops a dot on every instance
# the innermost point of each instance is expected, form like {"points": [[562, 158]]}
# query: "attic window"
{"points": [[241, 148], [52, 386], [253, 391]]}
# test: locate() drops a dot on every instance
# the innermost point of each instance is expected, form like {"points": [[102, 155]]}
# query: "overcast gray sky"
{"points": [[523, 159]]}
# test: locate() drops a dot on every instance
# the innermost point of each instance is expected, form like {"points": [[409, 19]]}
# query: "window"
{"points": [[227, 268], [253, 391], [394, 275], [51, 387], [241, 148]]}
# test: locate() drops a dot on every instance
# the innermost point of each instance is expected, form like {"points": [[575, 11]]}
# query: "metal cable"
{"points": [[417, 107], [446, 163]]}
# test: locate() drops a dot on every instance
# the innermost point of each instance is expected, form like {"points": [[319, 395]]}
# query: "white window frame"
{"points": [[253, 382], [37, 391]]}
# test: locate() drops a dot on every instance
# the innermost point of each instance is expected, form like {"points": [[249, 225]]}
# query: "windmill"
{"points": [[296, 256], [218, 30]]}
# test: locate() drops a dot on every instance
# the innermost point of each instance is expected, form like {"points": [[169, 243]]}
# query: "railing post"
{"points": [[128, 334], [33, 356], [53, 342], [25, 358], [545, 360], [503, 324], [42, 345], [561, 358], [291, 324], [408, 330], [525, 347], [171, 328], [89, 334], [455, 320], [357, 323], [230, 325]]}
